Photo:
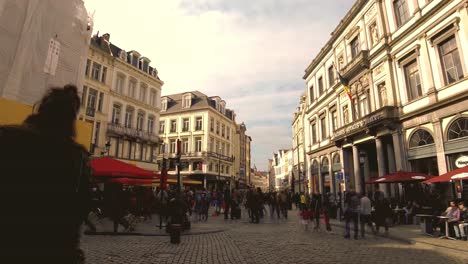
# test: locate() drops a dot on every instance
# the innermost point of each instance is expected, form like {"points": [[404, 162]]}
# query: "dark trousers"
{"points": [[365, 220], [351, 217], [255, 216], [226, 211]]}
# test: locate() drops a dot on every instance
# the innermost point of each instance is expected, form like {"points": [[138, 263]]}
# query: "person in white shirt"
{"points": [[365, 211]]}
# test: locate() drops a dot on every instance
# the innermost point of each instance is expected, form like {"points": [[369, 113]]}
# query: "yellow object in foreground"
{"points": [[12, 112]]}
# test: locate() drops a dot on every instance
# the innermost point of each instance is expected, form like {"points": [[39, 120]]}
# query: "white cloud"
{"points": [[251, 53]]}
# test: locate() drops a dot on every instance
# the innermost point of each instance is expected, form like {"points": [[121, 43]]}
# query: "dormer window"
{"points": [[164, 104], [187, 101], [123, 55], [144, 65]]}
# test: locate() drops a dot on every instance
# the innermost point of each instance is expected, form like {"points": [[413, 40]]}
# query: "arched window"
{"points": [[336, 159], [420, 138], [325, 162], [315, 167], [458, 129]]}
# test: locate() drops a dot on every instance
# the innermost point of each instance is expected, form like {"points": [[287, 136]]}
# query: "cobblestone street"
{"points": [[267, 242]]}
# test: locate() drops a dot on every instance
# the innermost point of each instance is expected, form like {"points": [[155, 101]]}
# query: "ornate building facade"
{"points": [[405, 64]]}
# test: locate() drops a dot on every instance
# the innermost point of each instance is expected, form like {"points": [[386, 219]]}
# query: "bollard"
{"points": [[175, 230]]}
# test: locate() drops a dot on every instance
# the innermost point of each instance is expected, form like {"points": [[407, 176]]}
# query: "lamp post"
{"points": [[106, 149]]}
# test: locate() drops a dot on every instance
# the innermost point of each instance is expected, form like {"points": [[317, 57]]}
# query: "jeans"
{"points": [[351, 216], [460, 229]]}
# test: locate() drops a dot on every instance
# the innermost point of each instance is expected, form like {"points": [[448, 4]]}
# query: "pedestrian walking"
{"points": [[365, 214], [351, 213], [227, 202], [48, 180], [326, 209], [316, 207], [383, 214], [305, 215]]}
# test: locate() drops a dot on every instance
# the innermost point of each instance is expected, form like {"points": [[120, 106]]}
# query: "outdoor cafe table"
{"points": [[445, 219], [426, 223]]}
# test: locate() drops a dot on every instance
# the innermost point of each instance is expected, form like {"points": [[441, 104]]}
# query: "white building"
{"points": [[405, 63], [206, 129], [283, 168], [122, 101]]}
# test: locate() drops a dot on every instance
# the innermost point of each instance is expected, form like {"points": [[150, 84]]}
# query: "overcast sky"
{"points": [[252, 53]]}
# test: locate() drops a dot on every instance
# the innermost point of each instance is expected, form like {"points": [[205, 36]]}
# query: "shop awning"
{"points": [[400, 176], [458, 174], [130, 181], [110, 167]]}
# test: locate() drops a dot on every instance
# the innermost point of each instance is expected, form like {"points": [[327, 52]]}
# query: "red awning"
{"points": [[400, 176], [458, 174], [115, 168], [130, 181]]}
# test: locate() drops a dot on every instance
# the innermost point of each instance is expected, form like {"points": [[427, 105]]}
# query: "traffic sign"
{"points": [[339, 176]]}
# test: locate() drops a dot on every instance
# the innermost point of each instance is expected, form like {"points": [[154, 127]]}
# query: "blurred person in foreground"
{"points": [[46, 186]]}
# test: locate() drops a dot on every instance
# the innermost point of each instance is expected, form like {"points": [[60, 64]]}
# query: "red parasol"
{"points": [[458, 174]]}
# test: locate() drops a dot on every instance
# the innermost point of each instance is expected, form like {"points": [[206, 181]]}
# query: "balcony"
{"points": [[356, 65], [220, 156], [383, 118], [119, 130], [90, 111]]}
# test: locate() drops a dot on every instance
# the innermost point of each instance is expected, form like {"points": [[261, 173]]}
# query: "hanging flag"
{"points": [[345, 84]]}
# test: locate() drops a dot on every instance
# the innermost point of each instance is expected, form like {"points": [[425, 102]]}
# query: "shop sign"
{"points": [[461, 162], [360, 124]]}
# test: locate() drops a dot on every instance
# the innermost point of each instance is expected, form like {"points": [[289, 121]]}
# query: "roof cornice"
{"points": [[344, 23]]}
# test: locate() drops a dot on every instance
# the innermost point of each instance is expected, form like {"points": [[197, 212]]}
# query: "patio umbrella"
{"points": [[458, 174], [110, 167], [400, 177], [130, 181]]}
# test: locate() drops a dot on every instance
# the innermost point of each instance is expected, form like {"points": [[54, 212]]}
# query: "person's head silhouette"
{"points": [[57, 112]]}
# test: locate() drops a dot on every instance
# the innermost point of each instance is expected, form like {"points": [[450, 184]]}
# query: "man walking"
{"points": [[227, 202], [366, 210], [351, 213]]}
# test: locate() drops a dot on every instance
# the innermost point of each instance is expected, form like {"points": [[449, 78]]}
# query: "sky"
{"points": [[251, 53]]}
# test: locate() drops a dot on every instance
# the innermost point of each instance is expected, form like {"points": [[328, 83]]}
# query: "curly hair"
{"points": [[57, 112]]}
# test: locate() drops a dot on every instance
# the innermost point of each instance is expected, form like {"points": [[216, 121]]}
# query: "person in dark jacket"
{"points": [[316, 208], [227, 202], [46, 183]]}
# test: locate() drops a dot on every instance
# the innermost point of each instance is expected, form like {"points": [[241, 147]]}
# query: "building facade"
{"points": [[283, 164], [122, 103], [206, 129], [405, 64], [271, 175], [299, 155]]}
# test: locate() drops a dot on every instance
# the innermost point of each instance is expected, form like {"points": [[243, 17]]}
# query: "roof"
{"points": [[199, 101]]}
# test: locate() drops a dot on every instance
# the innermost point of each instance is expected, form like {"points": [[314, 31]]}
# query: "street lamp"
{"points": [[107, 148]]}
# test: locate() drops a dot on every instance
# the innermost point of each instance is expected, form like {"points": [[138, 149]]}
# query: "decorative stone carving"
{"points": [[374, 34], [378, 70], [364, 81], [383, 94], [371, 12]]}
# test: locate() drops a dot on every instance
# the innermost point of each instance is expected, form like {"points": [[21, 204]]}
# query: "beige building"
{"points": [[242, 155], [299, 155], [206, 129], [405, 64], [122, 102]]}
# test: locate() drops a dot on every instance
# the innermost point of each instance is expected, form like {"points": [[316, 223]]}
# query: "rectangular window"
{"points": [[100, 101], [150, 124], [355, 47], [223, 130], [323, 128], [96, 133], [228, 133], [91, 103], [331, 76], [345, 115], [223, 148], [104, 74], [96, 71], [186, 124], [128, 118], [413, 81], [199, 123], [120, 84], [116, 114], [227, 169], [185, 145], [212, 124], [218, 148], [132, 89], [152, 98], [311, 94], [173, 146], [211, 144], [364, 106], [140, 119], [450, 60], [88, 65], [83, 96], [401, 11], [173, 126], [228, 150], [198, 144], [334, 117], [186, 101], [217, 127], [320, 86], [314, 133], [143, 94], [162, 127]]}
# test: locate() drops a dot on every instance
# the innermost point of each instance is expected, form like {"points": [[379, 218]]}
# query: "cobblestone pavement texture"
{"points": [[271, 241]]}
